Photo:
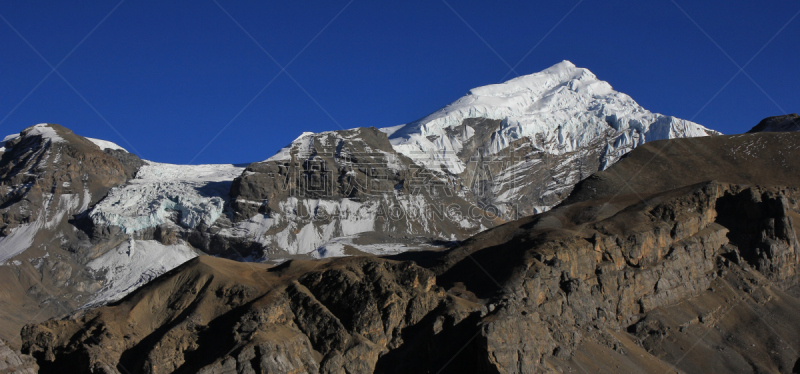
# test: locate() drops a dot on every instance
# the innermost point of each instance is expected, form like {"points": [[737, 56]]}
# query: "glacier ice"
{"points": [[196, 192]]}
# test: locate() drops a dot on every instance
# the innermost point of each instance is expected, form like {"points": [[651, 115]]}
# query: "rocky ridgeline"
{"points": [[563, 287], [784, 123]]}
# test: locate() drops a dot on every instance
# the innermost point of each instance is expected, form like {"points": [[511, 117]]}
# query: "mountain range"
{"points": [[517, 219], [683, 257]]}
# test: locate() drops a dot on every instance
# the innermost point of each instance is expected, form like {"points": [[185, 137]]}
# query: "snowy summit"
{"points": [[567, 107]]}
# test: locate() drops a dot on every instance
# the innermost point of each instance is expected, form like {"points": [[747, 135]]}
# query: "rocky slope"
{"points": [[693, 270], [349, 183], [47, 175]]}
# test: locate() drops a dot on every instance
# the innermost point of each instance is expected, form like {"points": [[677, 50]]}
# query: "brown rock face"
{"points": [[684, 275], [212, 315], [350, 182], [588, 289], [331, 168]]}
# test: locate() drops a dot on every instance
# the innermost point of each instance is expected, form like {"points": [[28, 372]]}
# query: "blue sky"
{"points": [[171, 81]]}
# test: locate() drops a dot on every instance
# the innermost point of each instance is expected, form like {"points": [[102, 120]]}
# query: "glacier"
{"points": [[197, 192]]}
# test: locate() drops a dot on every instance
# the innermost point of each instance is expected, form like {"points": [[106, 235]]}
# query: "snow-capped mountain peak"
{"points": [[536, 84], [559, 109]]}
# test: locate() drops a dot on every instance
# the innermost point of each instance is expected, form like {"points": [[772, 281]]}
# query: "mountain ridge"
{"points": [[338, 193]]}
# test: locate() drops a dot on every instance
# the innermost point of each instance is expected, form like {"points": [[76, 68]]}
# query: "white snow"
{"points": [[298, 234], [67, 203], [105, 144], [329, 220], [198, 192], [134, 263], [565, 106], [391, 130]]}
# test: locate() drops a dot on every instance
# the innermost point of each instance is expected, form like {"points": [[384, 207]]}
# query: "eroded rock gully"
{"points": [[653, 285]]}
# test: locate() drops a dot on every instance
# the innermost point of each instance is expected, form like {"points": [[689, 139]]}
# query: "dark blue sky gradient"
{"points": [[169, 75]]}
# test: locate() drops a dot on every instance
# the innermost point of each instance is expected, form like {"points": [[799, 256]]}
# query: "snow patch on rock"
{"points": [[338, 247], [22, 237], [19, 240], [303, 142]]}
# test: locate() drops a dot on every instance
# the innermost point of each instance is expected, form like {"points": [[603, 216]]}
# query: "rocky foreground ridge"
{"points": [[683, 257]]}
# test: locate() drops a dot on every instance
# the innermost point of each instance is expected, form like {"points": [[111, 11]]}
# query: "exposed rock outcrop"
{"points": [[211, 315], [48, 166], [350, 182]]}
